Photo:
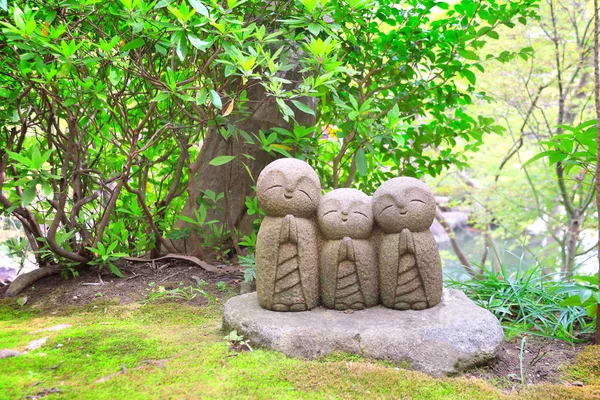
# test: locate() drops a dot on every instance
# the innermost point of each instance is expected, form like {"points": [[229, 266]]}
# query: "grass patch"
{"points": [[11, 312], [195, 362], [586, 367]]}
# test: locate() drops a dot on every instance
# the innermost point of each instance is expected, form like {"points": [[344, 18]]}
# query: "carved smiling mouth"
{"points": [[288, 196], [403, 213]]}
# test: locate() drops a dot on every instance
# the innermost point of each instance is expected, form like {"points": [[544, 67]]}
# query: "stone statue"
{"points": [[287, 260], [410, 266], [348, 259]]}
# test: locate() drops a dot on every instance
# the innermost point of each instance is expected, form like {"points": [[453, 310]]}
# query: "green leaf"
{"points": [[216, 99], [47, 190], [315, 29], [199, 44], [584, 294], [556, 157], [4, 5], [470, 76], [198, 6], [303, 107], [161, 96], [21, 159], [28, 195], [134, 44], [113, 268], [468, 54], [538, 156], [285, 109], [221, 160], [571, 301], [201, 97], [361, 162], [112, 247], [182, 48], [187, 219], [493, 35], [185, 97]]}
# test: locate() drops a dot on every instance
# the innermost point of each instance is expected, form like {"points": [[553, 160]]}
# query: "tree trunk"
{"points": [[25, 280], [233, 179], [597, 98], [473, 273], [573, 239]]}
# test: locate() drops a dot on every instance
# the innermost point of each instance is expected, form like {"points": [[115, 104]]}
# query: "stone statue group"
{"points": [[344, 250]]}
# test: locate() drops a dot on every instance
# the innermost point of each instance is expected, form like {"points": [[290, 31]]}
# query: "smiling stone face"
{"points": [[345, 213], [288, 186], [403, 203]]}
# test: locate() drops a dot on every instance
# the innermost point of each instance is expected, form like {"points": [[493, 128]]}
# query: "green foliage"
{"points": [[249, 262], [236, 342], [411, 73], [527, 301], [583, 292], [577, 147], [119, 95], [221, 286], [106, 257], [158, 292], [105, 105]]}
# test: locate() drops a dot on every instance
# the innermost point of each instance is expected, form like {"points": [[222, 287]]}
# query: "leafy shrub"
{"points": [[527, 301]]}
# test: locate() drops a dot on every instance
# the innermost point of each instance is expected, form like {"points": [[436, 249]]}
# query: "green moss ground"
{"points": [[105, 336]]}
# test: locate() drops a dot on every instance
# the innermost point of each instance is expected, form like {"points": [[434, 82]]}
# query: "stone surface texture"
{"points": [[450, 337], [348, 258], [287, 245], [6, 353], [410, 266]]}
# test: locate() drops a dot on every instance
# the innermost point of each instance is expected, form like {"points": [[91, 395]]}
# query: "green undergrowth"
{"points": [[587, 366], [172, 350], [527, 301]]}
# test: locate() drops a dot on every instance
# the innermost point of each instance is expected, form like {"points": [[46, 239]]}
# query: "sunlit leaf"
{"points": [[221, 160]]}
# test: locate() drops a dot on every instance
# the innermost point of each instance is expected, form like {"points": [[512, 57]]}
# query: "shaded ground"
{"points": [[139, 281], [113, 311], [543, 360]]}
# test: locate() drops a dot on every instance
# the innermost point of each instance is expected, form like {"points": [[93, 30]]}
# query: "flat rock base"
{"points": [[453, 336]]}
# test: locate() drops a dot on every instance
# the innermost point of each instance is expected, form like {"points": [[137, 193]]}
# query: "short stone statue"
{"points": [[287, 274], [410, 266], [348, 259]]}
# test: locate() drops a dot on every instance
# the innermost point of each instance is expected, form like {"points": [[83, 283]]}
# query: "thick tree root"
{"points": [[28, 279]]}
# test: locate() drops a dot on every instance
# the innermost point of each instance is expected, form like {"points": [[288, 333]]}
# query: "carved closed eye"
{"points": [[273, 187], [361, 213], [306, 193], [418, 200], [385, 208], [329, 212]]}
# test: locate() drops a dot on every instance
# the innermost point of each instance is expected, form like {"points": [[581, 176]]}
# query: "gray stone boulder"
{"points": [[451, 337]]}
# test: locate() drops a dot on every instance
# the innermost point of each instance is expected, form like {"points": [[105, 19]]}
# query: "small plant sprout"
{"points": [[236, 342], [249, 262], [221, 286], [189, 293]]}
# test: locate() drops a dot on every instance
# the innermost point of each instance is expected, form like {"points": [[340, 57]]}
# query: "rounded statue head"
{"points": [[288, 186], [403, 203], [345, 213]]}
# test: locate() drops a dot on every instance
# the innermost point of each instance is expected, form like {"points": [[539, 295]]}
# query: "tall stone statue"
{"points": [[287, 274], [348, 260], [410, 266]]}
